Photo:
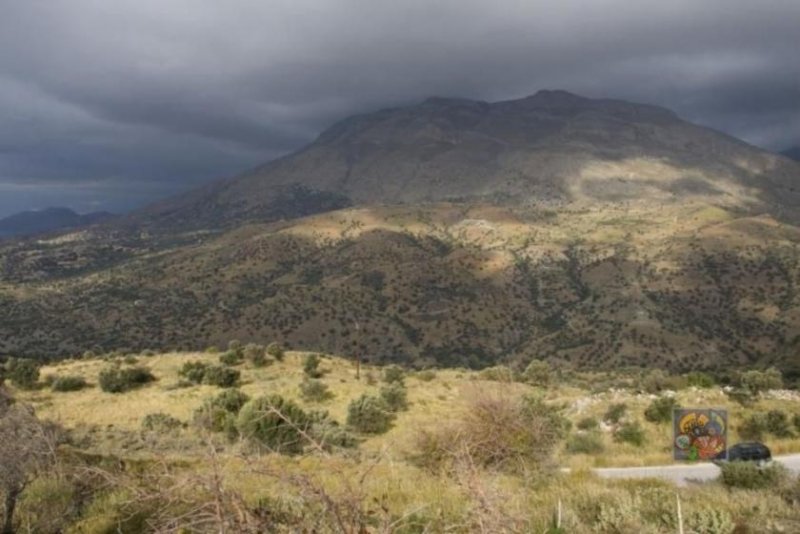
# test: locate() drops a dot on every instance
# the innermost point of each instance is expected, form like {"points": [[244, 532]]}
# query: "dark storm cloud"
{"points": [[110, 104]]}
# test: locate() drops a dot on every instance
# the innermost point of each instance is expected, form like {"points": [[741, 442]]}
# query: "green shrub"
{"points": [[778, 424], [369, 415], [588, 423], [219, 414], [758, 381], [498, 373], [231, 400], [276, 351], [499, 431], [274, 423], [796, 422], [749, 475], [656, 381], [255, 354], [68, 383], [700, 379], [311, 366], [710, 521], [395, 396], [538, 373], [221, 376], [328, 433], [22, 372], [585, 443], [743, 396], [47, 505], [116, 379], [235, 345], [426, 375], [160, 422], [193, 371], [315, 390], [660, 410], [753, 427], [394, 374], [630, 432], [231, 358], [615, 413]]}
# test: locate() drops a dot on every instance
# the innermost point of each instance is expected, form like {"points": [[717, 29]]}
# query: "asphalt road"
{"points": [[683, 474]]}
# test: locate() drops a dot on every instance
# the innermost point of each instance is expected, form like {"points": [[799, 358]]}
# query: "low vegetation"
{"points": [[439, 450]]}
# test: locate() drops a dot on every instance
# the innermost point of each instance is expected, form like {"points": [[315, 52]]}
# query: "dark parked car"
{"points": [[749, 451]]}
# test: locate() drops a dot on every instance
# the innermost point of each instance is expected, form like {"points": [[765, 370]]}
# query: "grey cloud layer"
{"points": [[155, 95]]}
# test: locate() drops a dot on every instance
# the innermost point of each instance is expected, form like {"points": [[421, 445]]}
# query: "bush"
{"points": [[119, 380], [328, 433], [498, 373], [656, 381], [749, 475], [395, 396], [753, 427], [631, 432], [219, 414], [276, 351], [315, 390], [394, 374], [588, 423], [796, 421], [710, 521], [778, 424], [369, 415], [256, 355], [701, 380], [193, 371], [235, 345], [585, 443], [758, 381], [22, 372], [47, 505], [274, 423], [660, 410], [230, 400], [743, 396], [160, 422], [497, 431], [311, 366], [615, 413], [426, 375], [231, 358], [219, 375], [212, 375], [538, 373], [68, 383]]}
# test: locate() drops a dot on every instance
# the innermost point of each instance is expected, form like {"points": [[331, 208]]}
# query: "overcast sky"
{"points": [[110, 104]]}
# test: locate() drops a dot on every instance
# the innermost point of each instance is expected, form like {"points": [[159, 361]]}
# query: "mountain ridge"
{"points": [[552, 145]]}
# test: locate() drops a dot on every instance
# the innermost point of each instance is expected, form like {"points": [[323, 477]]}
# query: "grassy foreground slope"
{"points": [[387, 483]]}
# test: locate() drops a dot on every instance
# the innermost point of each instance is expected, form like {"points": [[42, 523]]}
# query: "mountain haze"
{"points": [[48, 220]]}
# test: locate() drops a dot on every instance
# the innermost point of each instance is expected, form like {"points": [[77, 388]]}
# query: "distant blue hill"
{"points": [[793, 153], [48, 220]]}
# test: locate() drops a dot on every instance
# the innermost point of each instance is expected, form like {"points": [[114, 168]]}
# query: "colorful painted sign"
{"points": [[699, 434]]}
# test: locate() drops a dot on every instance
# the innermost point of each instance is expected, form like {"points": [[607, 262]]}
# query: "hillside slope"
{"points": [[682, 287], [454, 232]]}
